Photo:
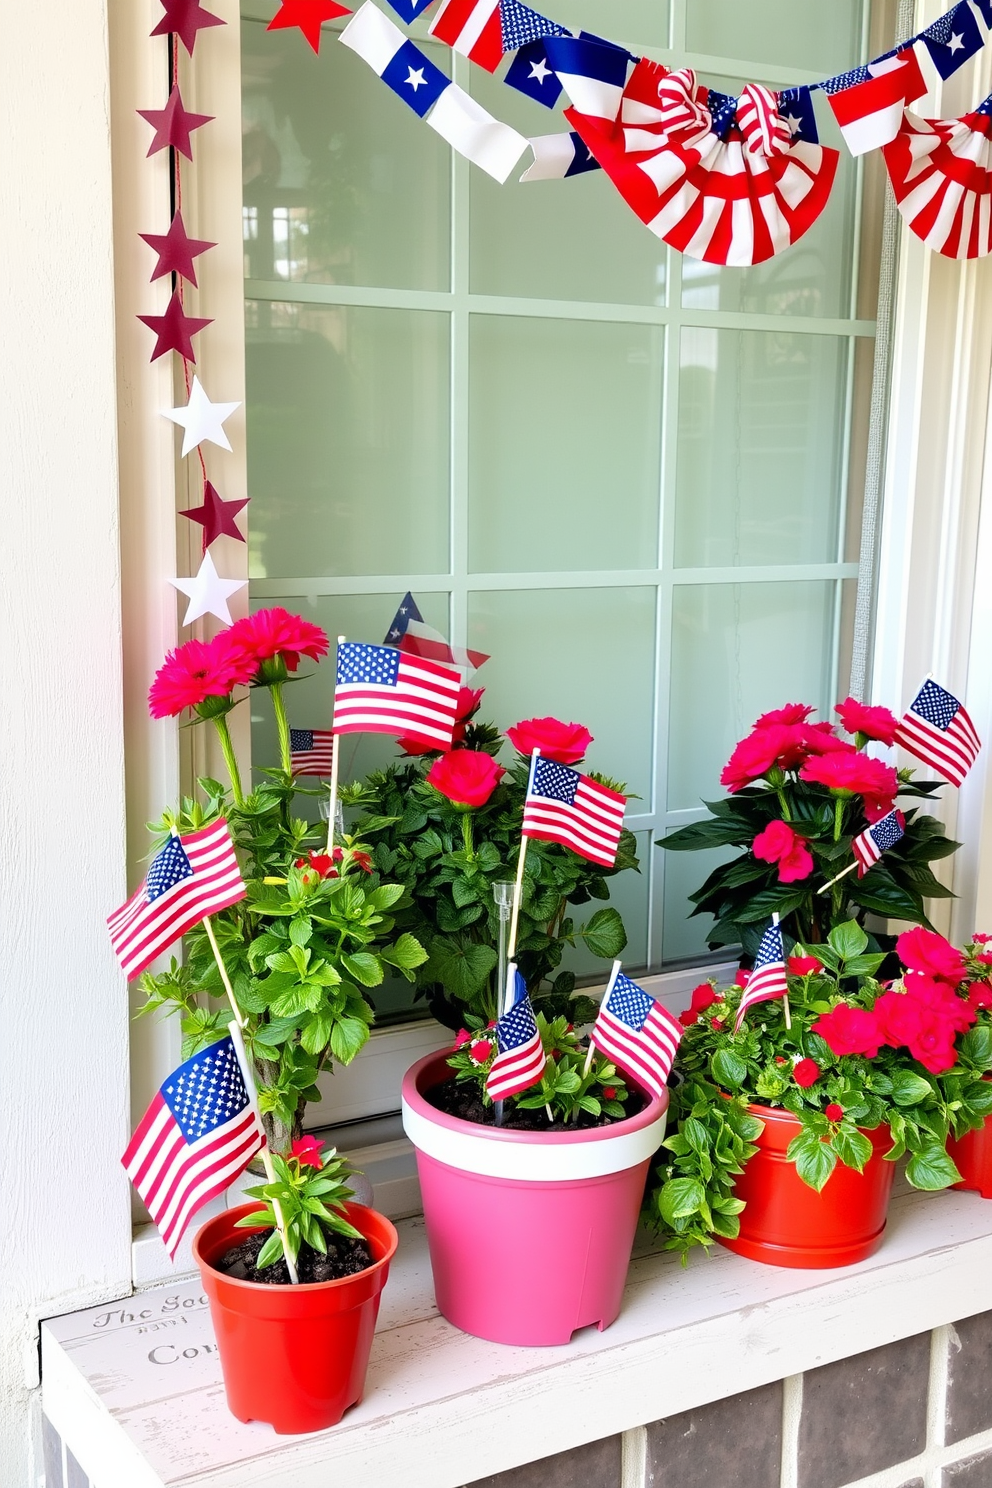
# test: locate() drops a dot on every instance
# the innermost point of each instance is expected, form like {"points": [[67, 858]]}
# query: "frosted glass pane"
{"points": [[760, 446], [633, 22], [824, 38], [342, 185], [629, 896], [347, 440], [814, 276], [738, 650], [685, 938], [310, 701], [564, 436], [556, 240], [585, 656]]}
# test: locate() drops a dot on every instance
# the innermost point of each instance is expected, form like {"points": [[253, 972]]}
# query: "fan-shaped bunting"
{"points": [[737, 200], [941, 173]]}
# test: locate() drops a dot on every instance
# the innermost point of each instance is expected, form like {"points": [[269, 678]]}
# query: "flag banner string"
{"points": [[730, 181]]}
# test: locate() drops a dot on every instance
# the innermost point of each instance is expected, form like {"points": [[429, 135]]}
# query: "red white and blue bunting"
{"points": [[722, 179]]}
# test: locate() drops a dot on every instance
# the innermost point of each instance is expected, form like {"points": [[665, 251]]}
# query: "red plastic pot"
{"points": [[973, 1155], [787, 1223], [295, 1356]]}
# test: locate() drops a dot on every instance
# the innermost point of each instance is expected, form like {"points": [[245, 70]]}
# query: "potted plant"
{"points": [[530, 1223], [447, 827], [786, 1131], [296, 1356]]}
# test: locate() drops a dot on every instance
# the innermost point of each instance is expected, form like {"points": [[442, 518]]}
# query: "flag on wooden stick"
{"points": [[636, 1032], [520, 1059], [562, 805], [384, 691], [937, 729], [767, 979]]}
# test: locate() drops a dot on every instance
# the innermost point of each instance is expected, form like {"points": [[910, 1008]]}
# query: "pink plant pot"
{"points": [[530, 1233]]}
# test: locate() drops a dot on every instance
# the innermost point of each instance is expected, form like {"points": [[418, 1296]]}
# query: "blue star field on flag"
{"points": [[520, 25], [530, 73], [795, 106], [207, 1090], [845, 80], [168, 868], [412, 75], [359, 662], [953, 39], [723, 111]]}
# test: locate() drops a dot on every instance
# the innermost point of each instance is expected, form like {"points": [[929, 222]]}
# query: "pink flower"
{"points": [[467, 777], [850, 773], [609, 1092], [276, 639], [791, 713], [872, 723], [306, 1150], [564, 742], [801, 966], [819, 738], [703, 997], [901, 1018], [480, 1051], [688, 1017], [926, 952], [198, 671], [980, 995], [806, 1073], [742, 977], [779, 746], [462, 1037], [849, 1030], [778, 843], [981, 939], [834, 1112]]}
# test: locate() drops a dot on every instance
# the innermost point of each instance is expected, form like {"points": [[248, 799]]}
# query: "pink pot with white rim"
{"points": [[530, 1233]]}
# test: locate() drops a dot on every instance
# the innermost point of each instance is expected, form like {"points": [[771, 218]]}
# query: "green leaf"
{"points": [[406, 953], [681, 1197], [462, 969], [604, 933], [976, 1046], [464, 891], [270, 1252], [316, 1033], [728, 1069], [931, 1169], [364, 967], [848, 940], [908, 1089], [300, 930], [348, 1036], [852, 1147], [814, 1160]]}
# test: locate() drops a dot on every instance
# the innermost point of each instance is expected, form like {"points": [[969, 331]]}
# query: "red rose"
{"points": [[778, 843], [933, 1046], [467, 777], [277, 640], [801, 966], [901, 1018], [834, 1112], [687, 1018], [930, 954], [850, 773], [564, 742], [306, 1150], [462, 1037], [980, 995], [940, 1001], [703, 997], [873, 723], [198, 671], [878, 806], [850, 1030], [806, 1073], [480, 1051], [322, 863], [791, 713], [778, 746], [819, 738], [609, 1092], [742, 977]]}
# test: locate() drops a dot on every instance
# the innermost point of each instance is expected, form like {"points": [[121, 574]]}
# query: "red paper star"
{"points": [[173, 125], [185, 18], [308, 15], [174, 330], [175, 250], [216, 516]]}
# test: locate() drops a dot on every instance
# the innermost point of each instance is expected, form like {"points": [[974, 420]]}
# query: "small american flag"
{"points": [[311, 751], [409, 632], [636, 1032], [767, 980], [870, 844], [198, 1134], [384, 691], [564, 806], [191, 877], [937, 729], [520, 1060]]}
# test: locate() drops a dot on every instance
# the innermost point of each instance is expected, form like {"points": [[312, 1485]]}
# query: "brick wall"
{"points": [[915, 1414]]}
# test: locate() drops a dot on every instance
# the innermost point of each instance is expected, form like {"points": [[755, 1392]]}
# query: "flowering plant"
{"points": [[310, 1189], [317, 931], [911, 1055], [447, 827], [799, 795]]}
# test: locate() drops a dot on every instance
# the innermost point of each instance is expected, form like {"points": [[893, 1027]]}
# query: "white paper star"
{"points": [[416, 79], [956, 43], [540, 70], [207, 592], [793, 123], [202, 419]]}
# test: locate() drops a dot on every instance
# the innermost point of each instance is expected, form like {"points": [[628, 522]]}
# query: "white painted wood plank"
{"points": [[443, 1409]]}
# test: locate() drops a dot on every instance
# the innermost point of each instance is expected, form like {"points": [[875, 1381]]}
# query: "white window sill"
{"points": [[135, 1390]]}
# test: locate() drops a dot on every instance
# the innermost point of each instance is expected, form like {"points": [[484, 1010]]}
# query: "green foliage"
{"points": [[447, 860], [310, 1194]]}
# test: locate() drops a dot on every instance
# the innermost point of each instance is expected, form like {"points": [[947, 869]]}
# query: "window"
{"points": [[633, 478]]}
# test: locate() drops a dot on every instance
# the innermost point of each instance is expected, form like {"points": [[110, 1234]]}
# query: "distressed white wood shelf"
{"points": [[135, 1388]]}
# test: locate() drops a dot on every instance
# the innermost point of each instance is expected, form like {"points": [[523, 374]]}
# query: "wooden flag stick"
{"points": [[246, 1069], [332, 805], [609, 988], [843, 874], [518, 882], [785, 1000]]}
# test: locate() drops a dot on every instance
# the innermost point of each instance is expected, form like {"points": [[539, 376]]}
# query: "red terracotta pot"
{"points": [[787, 1223], [973, 1155], [294, 1356]]}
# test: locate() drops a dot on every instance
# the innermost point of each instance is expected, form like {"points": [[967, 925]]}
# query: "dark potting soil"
{"points": [[344, 1257], [464, 1101]]}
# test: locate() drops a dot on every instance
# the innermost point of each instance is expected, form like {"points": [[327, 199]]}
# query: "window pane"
{"points": [[825, 38], [760, 445], [627, 21], [342, 184], [348, 462], [629, 896], [564, 435], [582, 655], [557, 240], [814, 276], [738, 650]]}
